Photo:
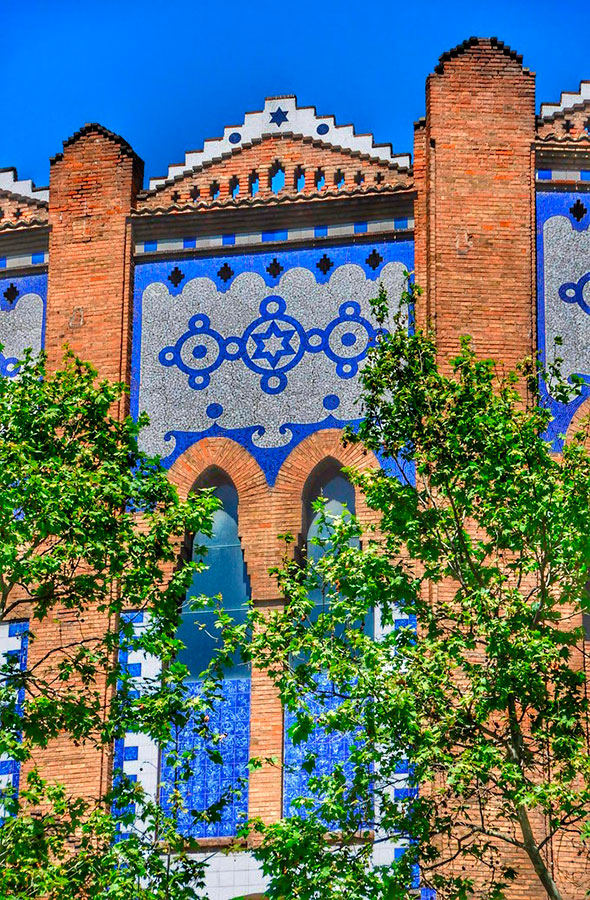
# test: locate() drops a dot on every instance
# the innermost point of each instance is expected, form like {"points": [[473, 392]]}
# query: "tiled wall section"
{"points": [[210, 242], [562, 175], [210, 781], [22, 318], [22, 260], [291, 327], [563, 292], [333, 749], [138, 757], [13, 643]]}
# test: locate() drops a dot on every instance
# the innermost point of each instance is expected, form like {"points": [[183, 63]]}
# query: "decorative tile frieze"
{"points": [[263, 348], [213, 242]]}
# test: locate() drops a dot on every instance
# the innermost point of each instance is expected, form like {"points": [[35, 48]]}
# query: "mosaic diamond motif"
{"points": [[578, 210], [11, 293], [374, 259], [325, 264], [274, 268], [176, 276], [225, 273]]}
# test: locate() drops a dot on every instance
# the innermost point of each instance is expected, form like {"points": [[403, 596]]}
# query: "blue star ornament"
{"points": [[278, 117], [273, 344]]}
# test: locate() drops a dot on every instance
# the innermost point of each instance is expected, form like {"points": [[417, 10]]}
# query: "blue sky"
{"points": [[168, 75]]}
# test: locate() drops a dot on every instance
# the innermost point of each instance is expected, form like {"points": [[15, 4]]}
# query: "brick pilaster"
{"points": [[94, 183], [475, 184]]}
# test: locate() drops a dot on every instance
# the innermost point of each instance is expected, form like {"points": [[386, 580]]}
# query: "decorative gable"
{"points": [[275, 169], [571, 123], [281, 115], [21, 203]]}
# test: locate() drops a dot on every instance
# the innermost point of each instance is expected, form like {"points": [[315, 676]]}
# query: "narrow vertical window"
{"points": [[299, 179], [338, 495], [229, 719], [276, 177], [234, 187], [226, 575]]}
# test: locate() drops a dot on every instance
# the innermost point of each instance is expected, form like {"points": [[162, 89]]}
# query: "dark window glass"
{"points": [[226, 575]]}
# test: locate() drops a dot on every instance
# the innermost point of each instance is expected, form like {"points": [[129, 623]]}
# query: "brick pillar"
{"points": [[475, 201], [93, 187]]}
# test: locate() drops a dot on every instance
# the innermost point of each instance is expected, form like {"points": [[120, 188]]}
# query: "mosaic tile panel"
{"points": [[563, 292], [333, 749], [330, 749], [210, 781], [14, 642], [290, 328], [22, 318]]}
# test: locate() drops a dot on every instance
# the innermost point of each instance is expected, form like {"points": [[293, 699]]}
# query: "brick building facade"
{"points": [[232, 295]]}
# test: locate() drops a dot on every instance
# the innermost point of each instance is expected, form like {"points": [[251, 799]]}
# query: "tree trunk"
{"points": [[535, 857]]}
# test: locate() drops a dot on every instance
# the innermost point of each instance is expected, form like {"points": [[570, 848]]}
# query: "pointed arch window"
{"points": [[225, 575], [329, 483]]}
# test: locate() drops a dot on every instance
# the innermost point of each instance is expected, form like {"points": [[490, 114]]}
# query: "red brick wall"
{"points": [[475, 258], [292, 153], [93, 187], [475, 209]]}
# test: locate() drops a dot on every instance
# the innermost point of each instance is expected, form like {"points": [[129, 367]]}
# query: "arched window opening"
{"points": [[329, 483], [276, 177], [253, 183], [234, 186], [319, 179], [214, 190], [299, 179], [339, 179], [359, 178], [225, 575]]}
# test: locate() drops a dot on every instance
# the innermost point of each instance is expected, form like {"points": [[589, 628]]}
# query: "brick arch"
{"points": [[254, 498], [302, 463]]}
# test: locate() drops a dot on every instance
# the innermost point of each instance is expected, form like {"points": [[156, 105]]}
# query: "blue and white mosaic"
{"points": [[562, 174], [14, 642], [139, 758], [331, 749], [263, 348], [242, 239], [136, 754], [563, 282], [24, 260], [211, 781], [22, 318]]}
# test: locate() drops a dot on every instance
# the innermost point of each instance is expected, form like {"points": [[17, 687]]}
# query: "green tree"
{"points": [[89, 527], [483, 544]]}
